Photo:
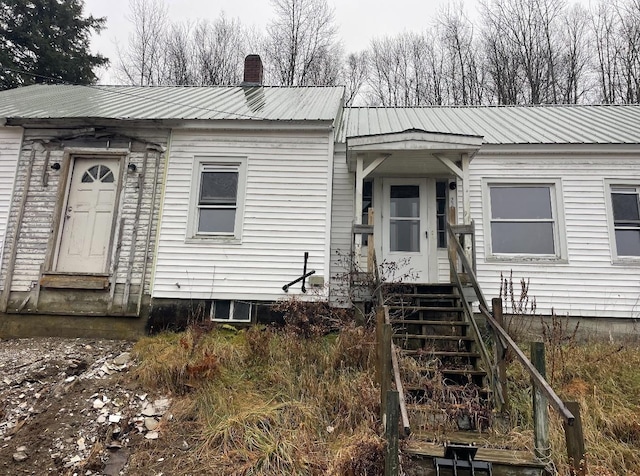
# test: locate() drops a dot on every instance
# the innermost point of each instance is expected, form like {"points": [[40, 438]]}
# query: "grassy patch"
{"points": [[604, 379], [264, 401]]}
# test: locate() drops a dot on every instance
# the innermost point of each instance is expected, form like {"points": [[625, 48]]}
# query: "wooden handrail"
{"points": [[396, 376], [538, 380], [575, 444], [484, 353], [456, 248], [466, 266]]}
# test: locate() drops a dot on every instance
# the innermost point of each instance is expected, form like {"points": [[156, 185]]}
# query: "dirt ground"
{"points": [[68, 407]]}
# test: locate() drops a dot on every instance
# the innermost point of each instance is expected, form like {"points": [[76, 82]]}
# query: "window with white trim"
{"points": [[523, 220], [217, 199], [224, 310], [625, 208]]}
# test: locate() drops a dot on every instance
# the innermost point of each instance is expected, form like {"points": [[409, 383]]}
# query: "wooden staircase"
{"points": [[446, 388], [444, 382]]}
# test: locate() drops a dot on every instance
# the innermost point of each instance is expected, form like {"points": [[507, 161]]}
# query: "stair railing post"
{"points": [[575, 442], [385, 369], [391, 462], [540, 406], [379, 330], [500, 352]]}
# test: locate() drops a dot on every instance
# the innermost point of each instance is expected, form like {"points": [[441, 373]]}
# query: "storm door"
{"points": [[405, 237]]}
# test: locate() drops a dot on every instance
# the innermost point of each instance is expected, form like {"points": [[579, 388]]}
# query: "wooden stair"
{"points": [[446, 388]]}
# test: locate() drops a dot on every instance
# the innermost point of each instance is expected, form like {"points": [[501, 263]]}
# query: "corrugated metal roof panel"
{"points": [[167, 102], [618, 124]]}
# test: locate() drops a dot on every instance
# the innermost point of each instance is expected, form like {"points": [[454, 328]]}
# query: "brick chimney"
{"points": [[252, 71]]}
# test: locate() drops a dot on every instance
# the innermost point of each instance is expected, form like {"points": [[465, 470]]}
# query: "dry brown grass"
{"points": [[264, 401], [604, 379]]}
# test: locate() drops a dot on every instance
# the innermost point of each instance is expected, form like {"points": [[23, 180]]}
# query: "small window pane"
{"points": [[513, 203], [405, 201], [522, 238], [241, 311], [221, 309], [405, 235], [628, 242], [219, 188], [625, 206], [217, 220], [91, 174]]}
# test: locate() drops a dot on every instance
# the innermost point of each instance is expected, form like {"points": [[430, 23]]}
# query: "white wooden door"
{"points": [[87, 220], [405, 241]]}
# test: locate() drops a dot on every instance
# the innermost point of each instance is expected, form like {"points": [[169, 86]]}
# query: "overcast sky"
{"points": [[358, 20]]}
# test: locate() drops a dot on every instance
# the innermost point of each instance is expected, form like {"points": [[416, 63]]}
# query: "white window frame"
{"points": [[232, 306], [557, 218], [200, 165], [610, 186]]}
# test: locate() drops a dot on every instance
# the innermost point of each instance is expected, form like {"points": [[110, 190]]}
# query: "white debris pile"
{"points": [[65, 406]]}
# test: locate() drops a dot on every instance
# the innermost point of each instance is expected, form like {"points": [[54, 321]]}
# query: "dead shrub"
{"points": [[258, 341], [359, 455], [354, 348], [624, 430], [312, 318]]}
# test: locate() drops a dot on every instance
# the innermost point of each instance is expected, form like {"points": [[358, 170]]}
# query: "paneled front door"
{"points": [[87, 219]]}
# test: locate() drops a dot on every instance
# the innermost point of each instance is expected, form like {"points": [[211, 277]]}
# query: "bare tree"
{"points": [[524, 33], [220, 47], [301, 45], [178, 59], [142, 62], [464, 78], [574, 59], [354, 76]]}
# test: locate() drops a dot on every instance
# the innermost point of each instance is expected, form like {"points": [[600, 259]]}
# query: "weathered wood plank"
{"points": [[575, 441], [73, 281], [500, 353], [391, 461], [542, 446]]}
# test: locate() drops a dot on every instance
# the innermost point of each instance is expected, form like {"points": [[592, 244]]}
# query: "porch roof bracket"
{"points": [[450, 165], [374, 165]]}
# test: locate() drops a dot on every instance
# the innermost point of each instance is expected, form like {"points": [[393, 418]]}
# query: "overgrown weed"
{"points": [[604, 379], [266, 401]]}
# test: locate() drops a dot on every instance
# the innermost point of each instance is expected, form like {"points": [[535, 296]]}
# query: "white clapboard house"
{"points": [[154, 205]]}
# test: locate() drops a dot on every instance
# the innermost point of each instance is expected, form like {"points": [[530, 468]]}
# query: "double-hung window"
{"points": [[625, 207], [523, 221], [218, 199]]}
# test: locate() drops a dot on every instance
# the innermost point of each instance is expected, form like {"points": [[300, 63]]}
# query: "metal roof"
{"points": [[172, 102], [503, 124]]}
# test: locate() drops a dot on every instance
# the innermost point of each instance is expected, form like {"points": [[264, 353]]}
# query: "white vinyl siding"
{"points": [[341, 229], [587, 283], [286, 211], [10, 142]]}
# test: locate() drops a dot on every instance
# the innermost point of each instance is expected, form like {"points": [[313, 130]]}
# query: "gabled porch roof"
{"points": [[414, 140], [413, 151]]}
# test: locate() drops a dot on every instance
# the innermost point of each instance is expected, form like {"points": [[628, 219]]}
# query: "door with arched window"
{"points": [[88, 216]]}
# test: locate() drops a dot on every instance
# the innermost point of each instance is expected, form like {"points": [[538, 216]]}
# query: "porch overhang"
{"points": [[414, 140]]}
